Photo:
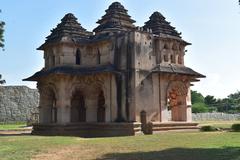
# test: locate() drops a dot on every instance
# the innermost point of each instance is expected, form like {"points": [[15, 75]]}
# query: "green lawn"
{"points": [[164, 146], [218, 124], [13, 126]]}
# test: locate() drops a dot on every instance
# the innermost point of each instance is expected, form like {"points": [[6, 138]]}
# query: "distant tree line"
{"points": [[201, 104]]}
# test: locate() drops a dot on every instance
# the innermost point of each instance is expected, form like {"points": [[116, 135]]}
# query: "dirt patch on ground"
{"points": [[67, 153]]}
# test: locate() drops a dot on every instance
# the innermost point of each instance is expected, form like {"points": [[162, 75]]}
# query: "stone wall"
{"points": [[17, 103], [215, 117]]}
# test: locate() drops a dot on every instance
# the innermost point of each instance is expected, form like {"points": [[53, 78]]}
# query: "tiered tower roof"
{"points": [[159, 25], [69, 27], [116, 17]]}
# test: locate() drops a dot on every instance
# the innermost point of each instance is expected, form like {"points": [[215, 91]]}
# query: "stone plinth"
{"points": [[88, 129]]}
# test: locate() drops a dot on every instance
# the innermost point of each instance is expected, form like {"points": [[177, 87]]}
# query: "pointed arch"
{"points": [[48, 103]]}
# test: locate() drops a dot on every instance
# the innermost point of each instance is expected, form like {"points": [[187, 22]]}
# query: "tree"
{"points": [[198, 105], [211, 102], [1, 44], [196, 97], [2, 81], [199, 108], [1, 33]]}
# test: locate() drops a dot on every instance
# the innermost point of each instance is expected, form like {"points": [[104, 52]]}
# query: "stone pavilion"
{"points": [[117, 80]]}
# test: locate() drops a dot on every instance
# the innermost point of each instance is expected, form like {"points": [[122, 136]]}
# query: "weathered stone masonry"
{"points": [[119, 73]]}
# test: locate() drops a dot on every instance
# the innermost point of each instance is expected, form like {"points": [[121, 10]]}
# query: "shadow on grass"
{"points": [[17, 134], [227, 153]]}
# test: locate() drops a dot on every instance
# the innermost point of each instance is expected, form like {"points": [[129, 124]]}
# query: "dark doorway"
{"points": [[101, 108], [78, 110]]}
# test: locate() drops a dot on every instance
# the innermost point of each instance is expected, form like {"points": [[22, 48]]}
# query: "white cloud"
{"points": [[211, 85]]}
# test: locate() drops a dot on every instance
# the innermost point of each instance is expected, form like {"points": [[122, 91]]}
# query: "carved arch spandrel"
{"points": [[176, 92], [88, 84], [179, 86], [44, 89]]}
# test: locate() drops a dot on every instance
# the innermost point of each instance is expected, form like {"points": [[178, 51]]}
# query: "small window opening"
{"points": [[98, 57], [53, 61], [172, 59], [165, 57], [78, 57]]}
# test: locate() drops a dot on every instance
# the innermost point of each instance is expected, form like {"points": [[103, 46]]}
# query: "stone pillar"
{"points": [[63, 103], [107, 96], [44, 114], [113, 98], [132, 98], [188, 105], [156, 94], [63, 110], [123, 99], [164, 110]]}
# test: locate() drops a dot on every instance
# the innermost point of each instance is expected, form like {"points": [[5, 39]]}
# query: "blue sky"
{"points": [[212, 26]]}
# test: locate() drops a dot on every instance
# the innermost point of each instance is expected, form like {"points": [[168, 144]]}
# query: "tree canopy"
{"points": [[1, 44], [200, 104], [1, 33]]}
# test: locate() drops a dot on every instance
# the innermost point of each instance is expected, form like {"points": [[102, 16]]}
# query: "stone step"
{"points": [[174, 128], [174, 124], [155, 127], [88, 129]]}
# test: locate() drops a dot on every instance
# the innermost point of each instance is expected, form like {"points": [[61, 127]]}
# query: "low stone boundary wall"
{"points": [[215, 117]]}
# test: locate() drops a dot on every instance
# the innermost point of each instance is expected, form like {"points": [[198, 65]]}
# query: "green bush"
{"points": [[236, 127], [199, 108], [208, 128]]}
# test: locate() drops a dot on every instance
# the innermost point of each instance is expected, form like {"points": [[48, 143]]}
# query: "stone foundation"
{"points": [[155, 127], [88, 129]]}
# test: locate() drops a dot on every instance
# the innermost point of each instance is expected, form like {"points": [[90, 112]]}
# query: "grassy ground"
{"points": [[12, 126], [218, 124], [164, 146]]}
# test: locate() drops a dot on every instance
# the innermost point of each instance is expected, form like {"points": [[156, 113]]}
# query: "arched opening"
{"points": [[180, 59], [172, 59], [176, 101], [165, 46], [78, 57], [98, 57], [78, 110], [165, 58], [101, 107], [49, 106], [174, 47], [53, 60]]}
